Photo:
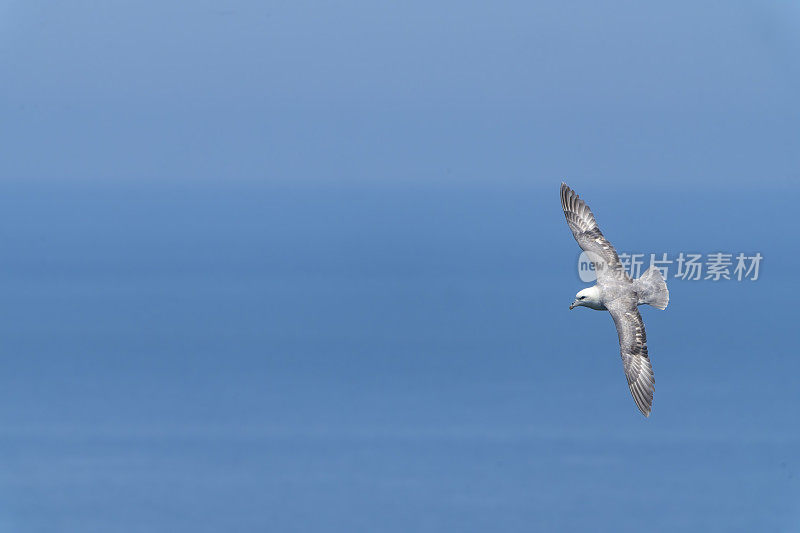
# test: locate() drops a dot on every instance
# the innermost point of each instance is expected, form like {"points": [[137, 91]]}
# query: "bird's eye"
{"points": [[582, 298]]}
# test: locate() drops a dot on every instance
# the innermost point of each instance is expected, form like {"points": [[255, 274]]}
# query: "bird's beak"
{"points": [[572, 305]]}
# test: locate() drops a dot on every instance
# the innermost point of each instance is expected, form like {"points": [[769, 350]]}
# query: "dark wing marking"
{"points": [[633, 349], [585, 230]]}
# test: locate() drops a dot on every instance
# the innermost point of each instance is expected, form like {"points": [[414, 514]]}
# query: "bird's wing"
{"points": [[633, 349], [585, 230]]}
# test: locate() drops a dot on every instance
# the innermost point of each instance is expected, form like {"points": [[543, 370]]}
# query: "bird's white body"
{"points": [[619, 294]]}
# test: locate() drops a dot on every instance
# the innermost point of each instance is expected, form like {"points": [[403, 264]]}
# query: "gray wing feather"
{"points": [[633, 349], [585, 230]]}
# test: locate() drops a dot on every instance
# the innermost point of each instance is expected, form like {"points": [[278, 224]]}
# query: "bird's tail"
{"points": [[652, 289]]}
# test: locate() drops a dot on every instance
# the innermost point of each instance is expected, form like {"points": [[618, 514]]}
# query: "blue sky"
{"points": [[301, 266], [516, 92]]}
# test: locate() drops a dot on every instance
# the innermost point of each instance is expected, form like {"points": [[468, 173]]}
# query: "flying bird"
{"points": [[619, 294]]}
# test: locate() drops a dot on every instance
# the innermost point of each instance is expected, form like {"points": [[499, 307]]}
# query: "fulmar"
{"points": [[619, 294]]}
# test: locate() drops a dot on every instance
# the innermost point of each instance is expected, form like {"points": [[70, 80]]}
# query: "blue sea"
{"points": [[279, 358]]}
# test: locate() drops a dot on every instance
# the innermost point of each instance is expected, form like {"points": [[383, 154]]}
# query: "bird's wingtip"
{"points": [[565, 192]]}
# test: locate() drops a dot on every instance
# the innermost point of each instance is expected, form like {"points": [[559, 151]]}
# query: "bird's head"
{"points": [[589, 297]]}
